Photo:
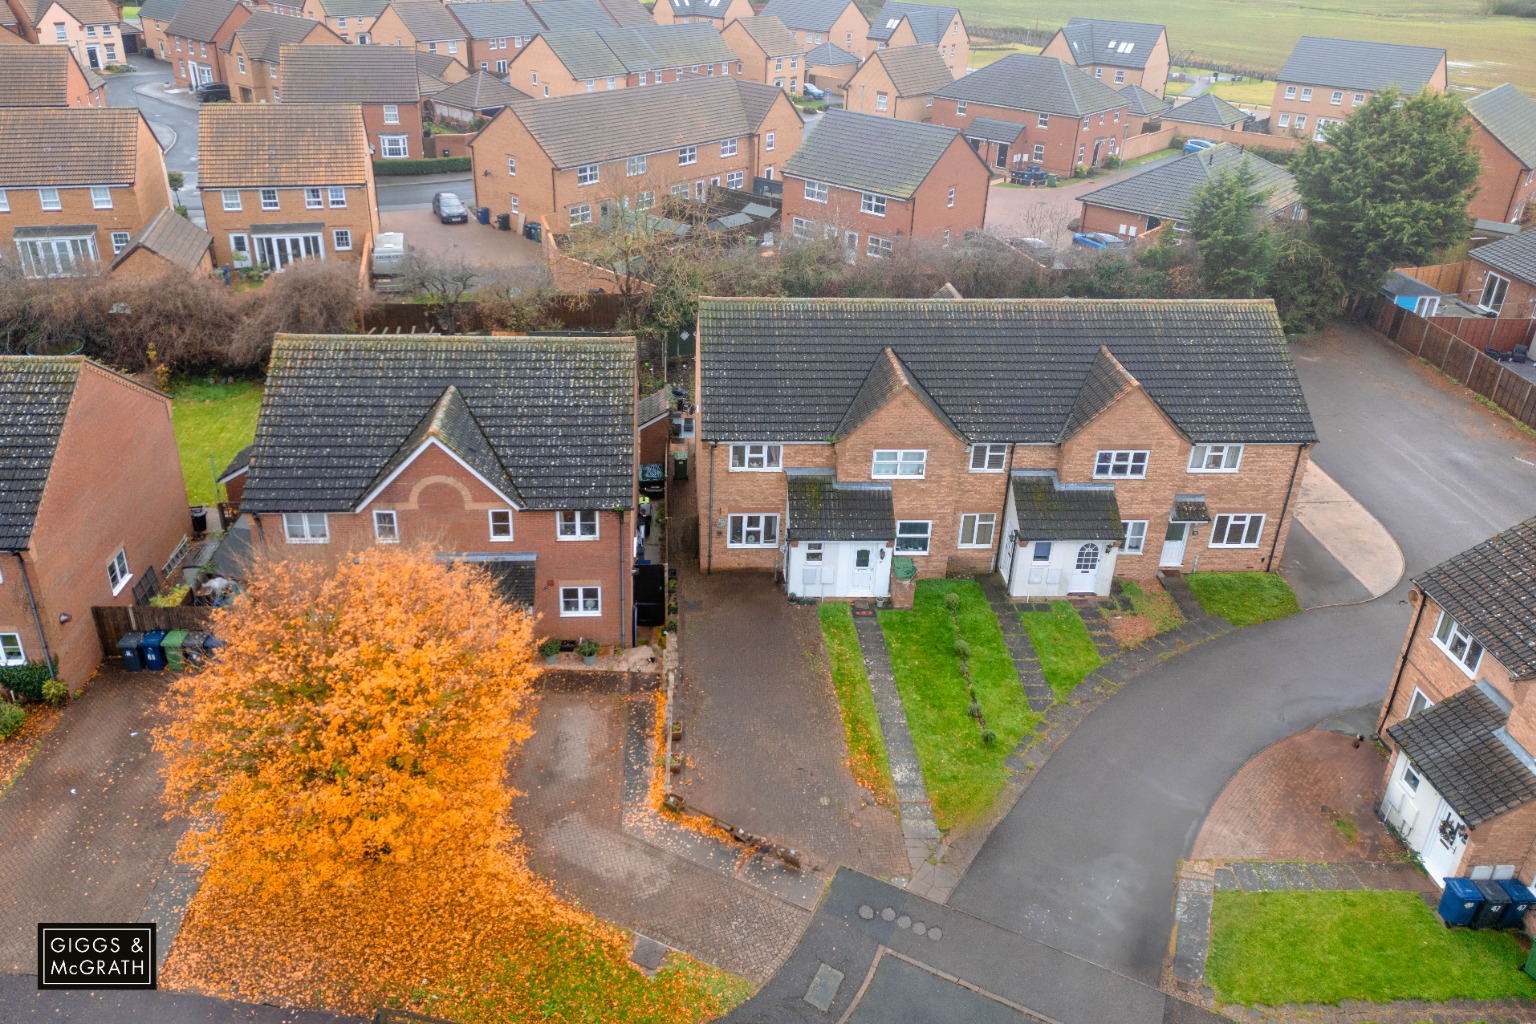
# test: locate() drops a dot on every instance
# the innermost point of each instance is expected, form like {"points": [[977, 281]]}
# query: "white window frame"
{"points": [[971, 525], [800, 228], [581, 214], [729, 147], [1245, 523], [577, 524], [1337, 99], [634, 166], [1448, 635], [1290, 92], [882, 101], [1227, 458], [391, 113], [1038, 153], [120, 240], [341, 239], [587, 174], [736, 179], [275, 202], [898, 464], [336, 195], [11, 650], [49, 199], [1042, 120], [687, 155], [500, 532], [1121, 464], [744, 524], [1135, 542], [815, 191], [911, 536], [300, 527], [1285, 120], [386, 526], [1418, 702], [768, 142], [512, 166], [872, 204], [643, 201], [984, 455], [768, 458], [1492, 290], [580, 595], [394, 147], [118, 574], [878, 248], [314, 199], [5, 202], [101, 197], [231, 199], [240, 62]]}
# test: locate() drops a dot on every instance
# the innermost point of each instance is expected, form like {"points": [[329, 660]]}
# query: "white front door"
{"points": [[1441, 852], [862, 580], [1085, 570], [1005, 554], [1173, 546]]}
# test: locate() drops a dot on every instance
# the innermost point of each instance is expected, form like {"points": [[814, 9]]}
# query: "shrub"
{"points": [[26, 681], [974, 710], [988, 737], [587, 648], [55, 692], [1177, 142], [549, 648], [962, 648], [431, 165], [952, 602], [12, 718], [1111, 163]]}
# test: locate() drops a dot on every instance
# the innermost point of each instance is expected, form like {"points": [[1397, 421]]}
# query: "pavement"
{"points": [[1351, 536], [22, 1003], [171, 114]]}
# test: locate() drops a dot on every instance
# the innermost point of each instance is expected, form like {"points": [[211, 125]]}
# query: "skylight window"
{"points": [[1127, 47], [1111, 45], [892, 22]]}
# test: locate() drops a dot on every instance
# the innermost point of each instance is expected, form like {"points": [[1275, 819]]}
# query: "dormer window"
{"points": [[1456, 642]]}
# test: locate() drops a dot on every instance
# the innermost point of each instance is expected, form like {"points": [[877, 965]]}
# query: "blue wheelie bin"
{"points": [[128, 650], [151, 652], [1459, 902], [1521, 899]]}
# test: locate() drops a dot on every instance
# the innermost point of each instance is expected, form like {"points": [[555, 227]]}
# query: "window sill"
{"points": [[1232, 547], [993, 471], [577, 540], [501, 540], [971, 547], [912, 554], [751, 547], [1228, 471], [1103, 476], [899, 476], [747, 469], [122, 584], [308, 540], [580, 615], [383, 540]]}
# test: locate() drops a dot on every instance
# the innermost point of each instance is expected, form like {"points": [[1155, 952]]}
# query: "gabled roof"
{"points": [[1143, 102], [928, 23], [1024, 81], [885, 155], [69, 146], [201, 20], [653, 406], [160, 10], [1509, 115], [1490, 590], [829, 55], [479, 91], [86, 12], [626, 13], [8, 20], [35, 392], [822, 508], [1209, 110], [1461, 746], [172, 237], [38, 76], [600, 53], [237, 465], [438, 65], [1107, 380], [807, 15], [555, 414], [1515, 255], [992, 129], [713, 9], [243, 145], [584, 53], [450, 424], [612, 125], [264, 34], [1002, 369], [888, 377], [560, 15], [915, 70], [346, 73], [1113, 44], [1051, 510], [353, 8], [428, 21], [771, 35], [1167, 191], [1354, 64], [497, 19]]}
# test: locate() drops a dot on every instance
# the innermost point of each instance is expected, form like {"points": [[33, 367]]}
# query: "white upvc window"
{"points": [[581, 214], [643, 201], [512, 166], [120, 240], [500, 523], [872, 204], [577, 524], [386, 527], [49, 197], [101, 197], [60, 33], [341, 239], [800, 228], [117, 571], [1241, 530], [1290, 92], [338, 197], [1135, 536], [11, 652], [1130, 465], [307, 527], [889, 463], [882, 101], [633, 166], [269, 199], [1466, 652], [1285, 120], [586, 174], [728, 147], [878, 247], [951, 195], [240, 62], [736, 179], [1215, 458], [5, 202], [1043, 120], [687, 155], [394, 147], [757, 458], [577, 601], [960, 106], [913, 536], [1494, 290], [391, 113], [1119, 77], [1359, 99], [314, 199], [977, 528], [988, 458], [1418, 703], [1306, 94], [1039, 152], [768, 142], [1337, 99], [816, 191], [231, 198], [1301, 120], [753, 530]]}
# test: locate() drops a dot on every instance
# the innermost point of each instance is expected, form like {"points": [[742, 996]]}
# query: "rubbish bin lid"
{"points": [[175, 638], [130, 640], [1492, 892], [903, 568], [1518, 891], [154, 637], [1463, 888]]}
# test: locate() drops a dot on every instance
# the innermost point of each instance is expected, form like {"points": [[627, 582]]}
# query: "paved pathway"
{"points": [[1025, 662], [1092, 614], [22, 1003]]}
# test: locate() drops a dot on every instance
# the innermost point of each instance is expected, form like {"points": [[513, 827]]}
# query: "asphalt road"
{"points": [[1086, 860]]}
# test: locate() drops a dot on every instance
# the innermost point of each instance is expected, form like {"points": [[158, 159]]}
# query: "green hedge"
{"points": [[26, 681], [434, 165]]}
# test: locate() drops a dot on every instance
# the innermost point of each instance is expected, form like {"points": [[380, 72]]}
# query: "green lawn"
{"points": [[964, 774], [1273, 948], [213, 422], [130, 13], [1157, 607], [866, 746], [1244, 598], [1062, 644]]}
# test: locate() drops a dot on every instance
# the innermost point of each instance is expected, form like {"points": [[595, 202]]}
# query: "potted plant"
{"points": [[588, 650], [550, 649]]}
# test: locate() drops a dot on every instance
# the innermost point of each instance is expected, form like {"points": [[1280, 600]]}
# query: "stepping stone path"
{"points": [[1098, 626], [1036, 690], [1177, 586]]}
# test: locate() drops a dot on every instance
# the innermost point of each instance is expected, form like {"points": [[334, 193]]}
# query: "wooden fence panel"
{"points": [[1436, 344], [1443, 277], [112, 621]]}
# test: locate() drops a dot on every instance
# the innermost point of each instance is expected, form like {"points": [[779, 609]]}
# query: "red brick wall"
{"points": [[1519, 298], [1062, 137], [1505, 188], [358, 216], [1101, 218], [1153, 77], [1320, 104]]}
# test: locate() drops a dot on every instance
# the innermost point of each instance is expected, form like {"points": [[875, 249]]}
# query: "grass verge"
{"points": [[861, 728], [1273, 948], [213, 422], [1062, 644], [1244, 598], [963, 773]]}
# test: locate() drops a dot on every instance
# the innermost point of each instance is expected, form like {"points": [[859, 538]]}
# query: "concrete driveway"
{"points": [[473, 243]]}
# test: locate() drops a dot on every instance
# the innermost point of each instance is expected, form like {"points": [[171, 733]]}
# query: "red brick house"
{"points": [[1117, 53], [49, 76], [197, 36], [1459, 719], [1500, 277], [814, 22], [253, 55], [352, 20], [1504, 132], [767, 51], [424, 25], [382, 80], [1325, 80], [877, 183], [92, 507], [940, 29], [1058, 442], [567, 62], [1068, 118], [718, 13], [154, 16], [516, 453], [497, 31], [898, 82], [92, 29]]}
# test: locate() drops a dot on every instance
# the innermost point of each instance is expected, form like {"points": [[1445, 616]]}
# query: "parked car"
{"points": [[813, 92], [212, 92], [450, 209], [1031, 174], [1098, 240], [1198, 145]]}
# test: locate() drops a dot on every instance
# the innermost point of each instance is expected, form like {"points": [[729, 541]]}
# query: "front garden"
{"points": [[1244, 598], [867, 758]]}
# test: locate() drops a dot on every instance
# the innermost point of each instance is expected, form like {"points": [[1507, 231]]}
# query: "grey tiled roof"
{"points": [[627, 13], [1003, 369], [1515, 255], [887, 376], [1024, 81], [35, 392], [556, 414], [201, 19], [1354, 64], [612, 125], [807, 15], [560, 15], [828, 55], [928, 23], [264, 34], [497, 19], [821, 508], [346, 73], [667, 46], [1509, 115], [237, 465], [172, 237], [1206, 110], [873, 154], [1051, 510], [1490, 590], [653, 406], [1168, 191], [515, 574], [245, 145], [1114, 44], [1143, 102], [584, 52], [160, 10], [1455, 745], [713, 9], [771, 35], [450, 423], [353, 8], [915, 70], [992, 129], [1106, 381], [480, 91], [428, 21]]}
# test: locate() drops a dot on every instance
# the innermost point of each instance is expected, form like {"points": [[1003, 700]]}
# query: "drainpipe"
{"points": [[1274, 541], [26, 581], [709, 524], [1007, 475], [1402, 663], [630, 540]]}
